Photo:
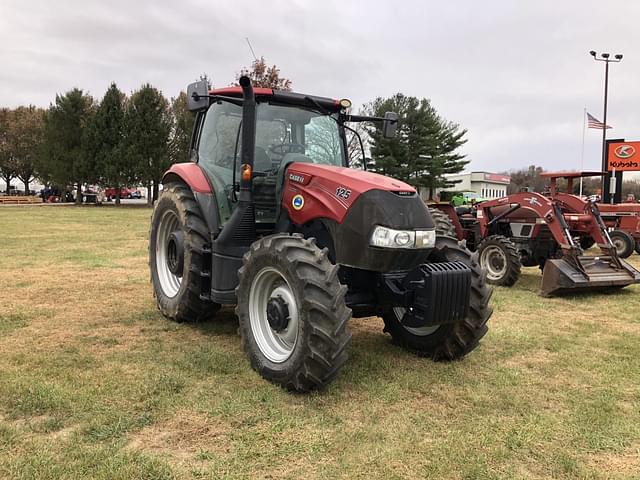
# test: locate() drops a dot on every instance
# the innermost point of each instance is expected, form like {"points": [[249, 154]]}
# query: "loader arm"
{"points": [[564, 214], [542, 206]]}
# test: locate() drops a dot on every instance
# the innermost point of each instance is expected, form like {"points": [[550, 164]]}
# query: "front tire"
{"points": [[449, 341], [623, 242], [442, 222], [178, 241], [499, 257], [292, 312]]}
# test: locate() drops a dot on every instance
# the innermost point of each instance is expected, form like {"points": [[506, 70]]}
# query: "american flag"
{"points": [[593, 122]]}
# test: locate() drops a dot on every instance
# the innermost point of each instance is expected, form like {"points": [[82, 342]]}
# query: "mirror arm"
{"points": [[220, 98], [361, 118]]}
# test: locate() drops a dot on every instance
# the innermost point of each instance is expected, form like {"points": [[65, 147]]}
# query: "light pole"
{"points": [[604, 57]]}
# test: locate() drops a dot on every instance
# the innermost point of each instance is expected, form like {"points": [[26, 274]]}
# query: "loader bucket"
{"points": [[583, 273]]}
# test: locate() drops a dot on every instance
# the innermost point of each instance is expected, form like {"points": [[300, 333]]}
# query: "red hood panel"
{"points": [[358, 180], [322, 191]]}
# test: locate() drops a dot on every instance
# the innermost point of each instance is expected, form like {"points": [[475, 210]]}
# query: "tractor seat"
{"points": [[463, 210], [261, 160]]}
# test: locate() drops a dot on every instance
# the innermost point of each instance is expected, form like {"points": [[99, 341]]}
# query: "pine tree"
{"points": [[104, 142], [182, 126], [64, 159], [147, 127], [425, 148]]}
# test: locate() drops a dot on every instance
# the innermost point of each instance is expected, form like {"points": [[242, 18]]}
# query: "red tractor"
{"points": [[531, 229], [622, 219], [269, 217]]}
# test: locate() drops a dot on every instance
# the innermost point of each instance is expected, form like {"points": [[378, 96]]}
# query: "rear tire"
{"points": [[638, 247], [499, 257], [623, 242], [307, 349], [443, 224], [450, 341], [179, 296]]}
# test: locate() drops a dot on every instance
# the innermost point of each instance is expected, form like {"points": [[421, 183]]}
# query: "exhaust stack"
{"points": [[240, 231]]}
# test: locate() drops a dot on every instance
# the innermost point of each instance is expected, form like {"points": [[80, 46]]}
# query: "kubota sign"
{"points": [[624, 156]]}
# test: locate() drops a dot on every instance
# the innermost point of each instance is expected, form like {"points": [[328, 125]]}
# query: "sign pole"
{"points": [[584, 128]]}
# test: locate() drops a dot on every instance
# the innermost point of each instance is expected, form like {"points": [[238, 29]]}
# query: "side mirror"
{"points": [[390, 124], [198, 96]]}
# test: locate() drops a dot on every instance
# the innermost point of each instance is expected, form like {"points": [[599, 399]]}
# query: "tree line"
{"points": [[118, 141], [124, 140], [531, 178]]}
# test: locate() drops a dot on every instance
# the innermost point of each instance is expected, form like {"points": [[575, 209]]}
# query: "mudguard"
{"points": [[194, 177], [189, 173]]}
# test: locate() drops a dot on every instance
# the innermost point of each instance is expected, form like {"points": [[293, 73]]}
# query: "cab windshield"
{"points": [[283, 135]]}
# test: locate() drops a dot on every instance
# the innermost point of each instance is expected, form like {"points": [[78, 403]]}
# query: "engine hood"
{"points": [[350, 203], [357, 180], [322, 191]]}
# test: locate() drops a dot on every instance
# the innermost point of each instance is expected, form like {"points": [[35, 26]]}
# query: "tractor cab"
{"points": [[284, 134]]}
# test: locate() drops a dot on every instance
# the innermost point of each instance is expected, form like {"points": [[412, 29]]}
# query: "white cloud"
{"points": [[515, 74]]}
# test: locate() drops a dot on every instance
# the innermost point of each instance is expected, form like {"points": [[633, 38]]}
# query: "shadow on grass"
{"points": [[223, 323]]}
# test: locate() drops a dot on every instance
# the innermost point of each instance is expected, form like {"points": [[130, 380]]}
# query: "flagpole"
{"points": [[584, 129]]}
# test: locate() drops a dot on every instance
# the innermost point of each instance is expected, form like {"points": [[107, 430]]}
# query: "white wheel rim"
{"points": [[418, 331], [619, 244], [275, 346], [494, 260], [169, 282]]}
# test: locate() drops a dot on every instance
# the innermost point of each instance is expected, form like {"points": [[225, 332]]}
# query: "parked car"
{"points": [[466, 198], [125, 192]]}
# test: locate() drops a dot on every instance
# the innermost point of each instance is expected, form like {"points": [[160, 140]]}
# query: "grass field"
{"points": [[94, 383]]}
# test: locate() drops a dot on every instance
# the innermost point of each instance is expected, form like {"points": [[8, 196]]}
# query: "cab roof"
{"points": [[280, 96]]}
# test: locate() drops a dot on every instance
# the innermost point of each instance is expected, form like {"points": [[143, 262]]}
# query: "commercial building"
{"points": [[485, 184]]}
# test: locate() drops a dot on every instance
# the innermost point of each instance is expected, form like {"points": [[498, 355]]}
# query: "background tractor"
{"points": [[269, 217], [531, 229], [621, 219]]}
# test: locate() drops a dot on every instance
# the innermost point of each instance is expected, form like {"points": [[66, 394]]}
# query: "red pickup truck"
{"points": [[125, 192]]}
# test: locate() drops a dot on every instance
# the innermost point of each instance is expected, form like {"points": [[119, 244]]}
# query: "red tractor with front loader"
{"points": [[531, 229], [621, 219], [269, 217]]}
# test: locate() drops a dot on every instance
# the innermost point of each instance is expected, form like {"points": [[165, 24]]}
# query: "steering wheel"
{"points": [[284, 148]]}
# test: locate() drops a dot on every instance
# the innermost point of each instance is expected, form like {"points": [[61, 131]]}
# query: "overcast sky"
{"points": [[516, 74]]}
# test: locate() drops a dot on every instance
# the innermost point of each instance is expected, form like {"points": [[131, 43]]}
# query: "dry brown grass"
{"points": [[95, 383]]}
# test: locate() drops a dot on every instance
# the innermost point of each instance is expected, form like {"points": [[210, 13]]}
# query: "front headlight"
{"points": [[389, 238]]}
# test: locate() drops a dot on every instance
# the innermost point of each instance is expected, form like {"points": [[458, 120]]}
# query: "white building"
{"points": [[485, 184], [17, 184]]}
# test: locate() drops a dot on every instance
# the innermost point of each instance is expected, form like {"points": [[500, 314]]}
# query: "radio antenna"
{"points": [[251, 48]]}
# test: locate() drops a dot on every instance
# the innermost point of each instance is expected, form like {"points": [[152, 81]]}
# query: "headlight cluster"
{"points": [[390, 238]]}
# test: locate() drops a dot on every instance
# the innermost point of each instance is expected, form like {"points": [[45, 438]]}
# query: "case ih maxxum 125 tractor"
{"points": [[269, 217]]}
